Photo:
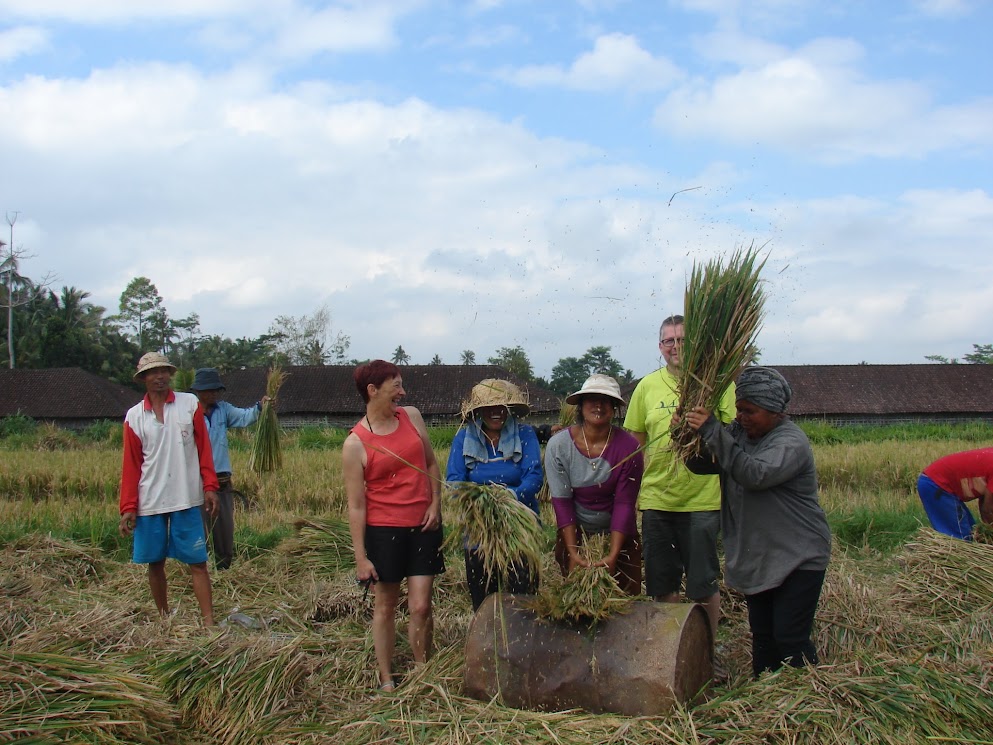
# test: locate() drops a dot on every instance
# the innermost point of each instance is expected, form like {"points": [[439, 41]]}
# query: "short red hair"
{"points": [[374, 373]]}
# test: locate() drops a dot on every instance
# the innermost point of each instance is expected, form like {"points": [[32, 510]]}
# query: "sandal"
{"points": [[388, 687]]}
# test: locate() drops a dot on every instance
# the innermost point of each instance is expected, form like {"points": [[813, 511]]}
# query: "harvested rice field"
{"points": [[904, 629]]}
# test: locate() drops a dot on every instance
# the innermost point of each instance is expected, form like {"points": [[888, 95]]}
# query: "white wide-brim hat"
{"points": [[597, 383]]}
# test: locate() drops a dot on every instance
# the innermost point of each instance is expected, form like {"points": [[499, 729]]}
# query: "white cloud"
{"points": [[816, 102], [616, 62], [22, 41]]}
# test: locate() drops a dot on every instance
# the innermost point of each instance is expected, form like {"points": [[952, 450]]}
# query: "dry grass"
{"points": [[906, 645]]}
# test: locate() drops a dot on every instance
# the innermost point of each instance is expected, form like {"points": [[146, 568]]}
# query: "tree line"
{"points": [[47, 329]]}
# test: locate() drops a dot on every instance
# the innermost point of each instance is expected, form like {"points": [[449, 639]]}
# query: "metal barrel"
{"points": [[639, 663]]}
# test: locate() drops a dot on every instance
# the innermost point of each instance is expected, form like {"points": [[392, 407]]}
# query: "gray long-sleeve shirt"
{"points": [[771, 519]]}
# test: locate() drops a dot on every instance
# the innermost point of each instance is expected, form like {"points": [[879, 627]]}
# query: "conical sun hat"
{"points": [[494, 392]]}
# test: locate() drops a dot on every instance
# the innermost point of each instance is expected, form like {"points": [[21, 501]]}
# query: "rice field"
{"points": [[905, 626]]}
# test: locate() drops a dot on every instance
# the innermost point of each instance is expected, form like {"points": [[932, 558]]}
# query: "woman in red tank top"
{"points": [[393, 485]]}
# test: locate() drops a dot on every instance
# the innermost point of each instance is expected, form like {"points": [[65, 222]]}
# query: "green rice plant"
{"points": [[723, 308], [587, 594], [504, 532], [320, 438], [47, 697], [267, 455]]}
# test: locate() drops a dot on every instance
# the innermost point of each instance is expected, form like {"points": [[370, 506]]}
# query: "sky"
{"points": [[473, 175]]}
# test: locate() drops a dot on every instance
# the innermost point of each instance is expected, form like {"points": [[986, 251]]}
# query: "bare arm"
{"points": [[432, 518], [641, 437], [353, 460]]}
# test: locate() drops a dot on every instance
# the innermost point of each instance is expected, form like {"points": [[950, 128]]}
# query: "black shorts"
{"points": [[404, 552]]}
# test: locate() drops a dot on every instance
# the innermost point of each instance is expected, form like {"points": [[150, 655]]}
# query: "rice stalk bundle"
{"points": [[46, 697], [241, 689], [945, 577], [503, 531], [587, 594], [267, 455], [323, 546], [723, 311]]}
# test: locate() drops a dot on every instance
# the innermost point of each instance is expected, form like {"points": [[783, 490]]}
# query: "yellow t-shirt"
{"points": [[667, 484]]}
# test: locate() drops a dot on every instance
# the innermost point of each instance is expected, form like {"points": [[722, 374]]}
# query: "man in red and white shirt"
{"points": [[168, 473]]}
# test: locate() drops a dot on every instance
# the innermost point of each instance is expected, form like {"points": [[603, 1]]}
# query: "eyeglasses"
{"points": [[670, 343]]}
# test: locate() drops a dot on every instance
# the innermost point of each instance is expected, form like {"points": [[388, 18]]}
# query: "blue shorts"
{"points": [[178, 535], [947, 513]]}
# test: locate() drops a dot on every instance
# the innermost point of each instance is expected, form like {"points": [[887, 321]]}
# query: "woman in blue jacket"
{"points": [[494, 447]]}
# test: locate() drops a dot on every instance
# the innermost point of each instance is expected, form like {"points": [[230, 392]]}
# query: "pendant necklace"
{"points": [[589, 453]]}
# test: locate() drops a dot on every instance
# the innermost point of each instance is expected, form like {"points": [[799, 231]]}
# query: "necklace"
{"points": [[369, 424], [589, 453]]}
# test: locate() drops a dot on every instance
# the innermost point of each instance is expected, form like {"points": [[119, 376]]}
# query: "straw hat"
{"points": [[597, 383], [493, 392], [150, 361]]}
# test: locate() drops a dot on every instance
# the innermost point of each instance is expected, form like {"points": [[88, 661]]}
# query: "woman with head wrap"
{"points": [[776, 538], [494, 447]]}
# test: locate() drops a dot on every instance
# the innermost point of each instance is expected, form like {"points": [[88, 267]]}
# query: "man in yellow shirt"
{"points": [[680, 509]]}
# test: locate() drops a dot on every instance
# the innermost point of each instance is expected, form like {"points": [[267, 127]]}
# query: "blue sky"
{"points": [[475, 175]]}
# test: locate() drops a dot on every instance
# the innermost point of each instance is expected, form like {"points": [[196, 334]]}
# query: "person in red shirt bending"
{"points": [[948, 483], [168, 472]]}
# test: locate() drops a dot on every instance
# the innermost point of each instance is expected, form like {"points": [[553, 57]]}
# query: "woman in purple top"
{"points": [[593, 470]]}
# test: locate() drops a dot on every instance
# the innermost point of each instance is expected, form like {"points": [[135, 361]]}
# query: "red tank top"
{"points": [[396, 495]]}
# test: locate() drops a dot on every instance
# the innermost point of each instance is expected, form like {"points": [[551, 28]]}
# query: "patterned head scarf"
{"points": [[764, 387]]}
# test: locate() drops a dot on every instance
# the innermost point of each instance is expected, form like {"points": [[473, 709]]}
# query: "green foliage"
{"points": [[105, 431], [320, 438], [824, 433], [441, 437], [514, 360], [569, 373], [142, 312], [981, 354], [880, 530], [18, 424]]}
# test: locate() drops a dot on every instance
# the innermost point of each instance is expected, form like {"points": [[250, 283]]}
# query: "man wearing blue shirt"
{"points": [[220, 416]]}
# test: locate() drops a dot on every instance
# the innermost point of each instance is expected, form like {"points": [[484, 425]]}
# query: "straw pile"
{"points": [[723, 311], [587, 594], [503, 531], [266, 452], [49, 698], [324, 546], [241, 689]]}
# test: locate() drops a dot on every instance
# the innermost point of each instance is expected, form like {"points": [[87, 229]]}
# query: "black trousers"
{"points": [[781, 620], [519, 581], [221, 528]]}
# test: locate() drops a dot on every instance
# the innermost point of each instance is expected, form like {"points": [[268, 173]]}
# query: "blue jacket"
{"points": [[524, 478], [219, 419]]}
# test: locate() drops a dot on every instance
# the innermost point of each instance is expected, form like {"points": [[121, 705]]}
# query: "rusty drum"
{"points": [[640, 663]]}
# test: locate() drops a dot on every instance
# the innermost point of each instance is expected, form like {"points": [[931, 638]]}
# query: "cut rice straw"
{"points": [[587, 594], [723, 315], [267, 455], [504, 532]]}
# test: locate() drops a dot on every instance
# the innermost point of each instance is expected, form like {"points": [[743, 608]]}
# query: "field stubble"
{"points": [[905, 636]]}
